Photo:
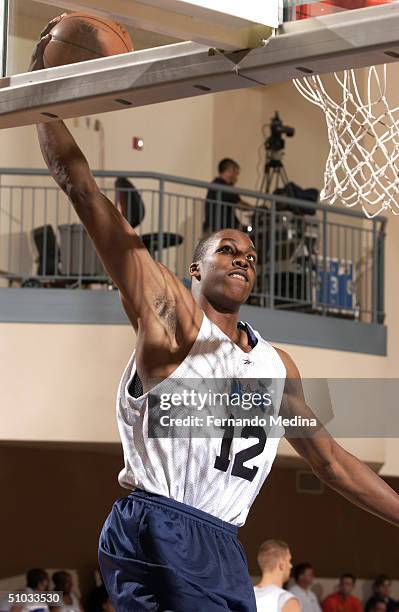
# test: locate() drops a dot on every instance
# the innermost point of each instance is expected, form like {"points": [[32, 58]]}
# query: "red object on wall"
{"points": [[316, 9], [138, 143]]}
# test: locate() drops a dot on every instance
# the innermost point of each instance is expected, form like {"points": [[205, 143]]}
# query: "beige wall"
{"points": [[239, 118], [68, 378]]}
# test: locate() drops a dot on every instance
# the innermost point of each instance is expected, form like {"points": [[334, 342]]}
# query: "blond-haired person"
{"points": [[274, 560]]}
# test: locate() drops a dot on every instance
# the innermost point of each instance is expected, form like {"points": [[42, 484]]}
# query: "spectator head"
{"points": [[62, 581], [346, 584], [229, 170], [379, 605], [100, 601], [274, 556], [382, 586], [37, 579], [304, 575]]}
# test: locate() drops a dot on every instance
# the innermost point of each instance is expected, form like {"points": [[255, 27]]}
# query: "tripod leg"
{"points": [[269, 180]]}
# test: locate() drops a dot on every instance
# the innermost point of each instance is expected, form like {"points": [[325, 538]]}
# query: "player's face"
{"points": [[385, 589], [68, 583], [307, 578], [44, 584], [234, 174], [228, 271], [287, 565], [346, 586]]}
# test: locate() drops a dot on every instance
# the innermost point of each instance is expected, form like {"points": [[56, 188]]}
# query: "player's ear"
{"points": [[194, 270]]}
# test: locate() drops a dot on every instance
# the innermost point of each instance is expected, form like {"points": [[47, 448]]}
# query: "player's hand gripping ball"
{"points": [[78, 37]]}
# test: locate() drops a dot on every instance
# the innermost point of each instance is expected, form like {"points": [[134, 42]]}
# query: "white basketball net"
{"points": [[363, 163]]}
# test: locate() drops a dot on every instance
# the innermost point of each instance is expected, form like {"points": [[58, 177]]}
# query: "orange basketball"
{"points": [[79, 37]]}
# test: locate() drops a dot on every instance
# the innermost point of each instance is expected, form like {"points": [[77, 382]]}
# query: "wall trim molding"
{"points": [[100, 307]]}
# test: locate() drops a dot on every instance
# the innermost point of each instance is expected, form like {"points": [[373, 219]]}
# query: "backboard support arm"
{"points": [[4, 11]]}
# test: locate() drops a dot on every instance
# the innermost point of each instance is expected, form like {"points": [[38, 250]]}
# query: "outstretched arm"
{"points": [[330, 462], [150, 292], [118, 245]]}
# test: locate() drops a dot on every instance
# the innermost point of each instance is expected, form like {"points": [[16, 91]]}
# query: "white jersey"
{"points": [[221, 477], [72, 607], [271, 598], [307, 599]]}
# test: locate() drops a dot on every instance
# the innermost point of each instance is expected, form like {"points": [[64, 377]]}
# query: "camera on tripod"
{"points": [[275, 176], [275, 179], [276, 143], [296, 235]]}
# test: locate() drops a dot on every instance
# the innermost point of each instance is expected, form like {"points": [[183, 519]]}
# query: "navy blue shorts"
{"points": [[161, 555]]}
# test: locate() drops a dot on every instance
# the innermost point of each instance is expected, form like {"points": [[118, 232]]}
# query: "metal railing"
{"points": [[312, 257]]}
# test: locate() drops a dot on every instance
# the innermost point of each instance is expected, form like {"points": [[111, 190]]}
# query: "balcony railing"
{"points": [[312, 258]]}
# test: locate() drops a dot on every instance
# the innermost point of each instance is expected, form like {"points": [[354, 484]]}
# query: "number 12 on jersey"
{"points": [[222, 461]]}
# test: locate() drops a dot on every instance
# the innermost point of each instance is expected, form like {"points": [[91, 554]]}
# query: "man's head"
{"points": [[274, 557], [229, 170], [223, 269], [382, 586], [62, 581], [304, 575], [346, 584], [379, 605], [37, 579]]}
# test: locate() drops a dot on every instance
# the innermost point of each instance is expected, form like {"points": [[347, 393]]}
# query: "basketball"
{"points": [[79, 37]]}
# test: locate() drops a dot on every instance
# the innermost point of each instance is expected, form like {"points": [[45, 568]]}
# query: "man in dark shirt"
{"points": [[382, 591], [379, 605], [219, 205]]}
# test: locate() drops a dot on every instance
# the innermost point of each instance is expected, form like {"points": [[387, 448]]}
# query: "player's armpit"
{"points": [[150, 292], [166, 309], [292, 605]]}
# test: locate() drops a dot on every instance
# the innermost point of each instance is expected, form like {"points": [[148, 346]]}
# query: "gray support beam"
{"points": [[140, 78]]}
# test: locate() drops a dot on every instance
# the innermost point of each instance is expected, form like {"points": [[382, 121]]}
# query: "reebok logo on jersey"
{"points": [[248, 362]]}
